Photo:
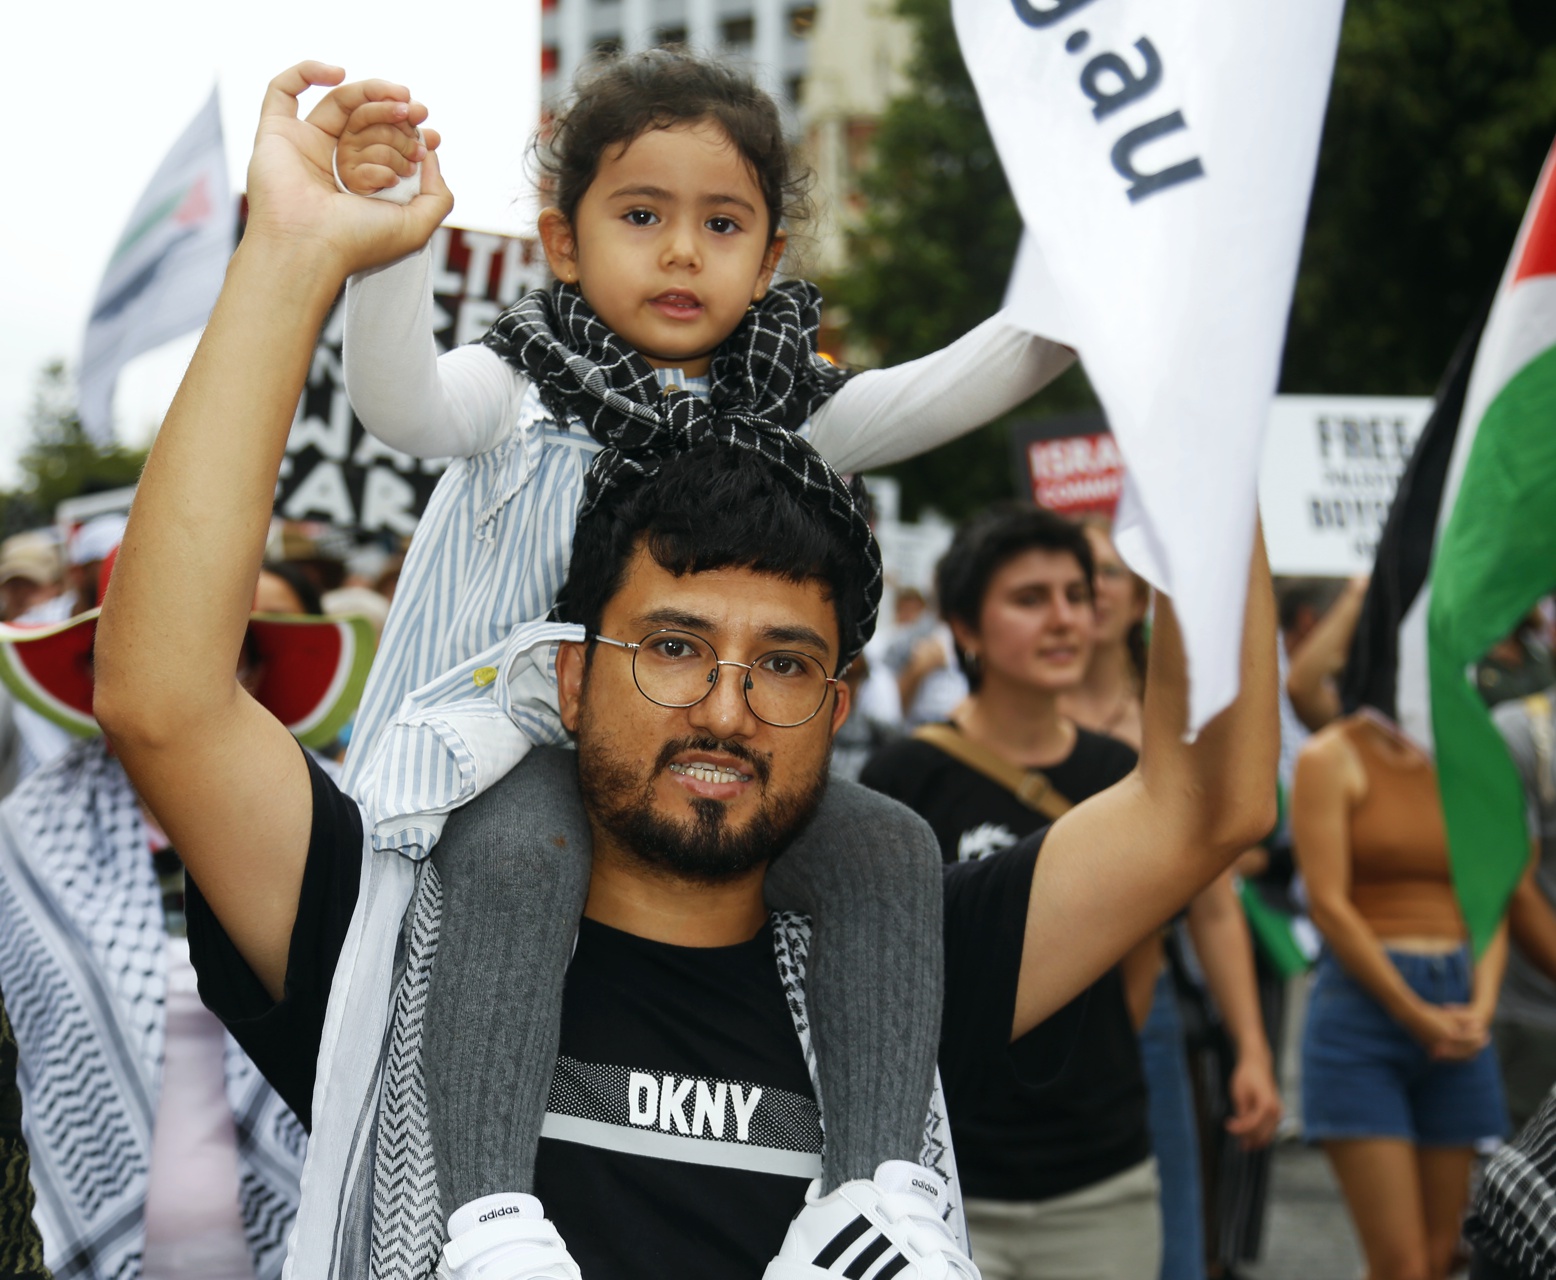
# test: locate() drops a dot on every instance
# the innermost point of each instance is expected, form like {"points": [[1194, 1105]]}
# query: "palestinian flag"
{"points": [[1479, 504], [167, 268]]}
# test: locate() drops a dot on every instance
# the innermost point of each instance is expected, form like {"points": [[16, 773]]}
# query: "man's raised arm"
{"points": [[223, 776], [1120, 864]]}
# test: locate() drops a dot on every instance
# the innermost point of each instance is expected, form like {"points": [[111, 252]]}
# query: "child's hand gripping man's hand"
{"points": [[380, 150]]}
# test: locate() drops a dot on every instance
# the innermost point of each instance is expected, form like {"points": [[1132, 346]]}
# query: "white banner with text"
{"points": [[1162, 157]]}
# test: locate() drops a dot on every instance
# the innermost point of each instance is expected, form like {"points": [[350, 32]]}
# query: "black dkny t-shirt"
{"points": [[675, 1054], [1029, 1135], [682, 1128]]}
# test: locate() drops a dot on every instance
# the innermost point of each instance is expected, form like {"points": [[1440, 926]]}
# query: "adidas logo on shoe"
{"points": [[504, 1237], [886, 1228], [506, 1211]]}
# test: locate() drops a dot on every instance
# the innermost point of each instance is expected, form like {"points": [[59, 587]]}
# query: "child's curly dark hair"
{"points": [[619, 98]]}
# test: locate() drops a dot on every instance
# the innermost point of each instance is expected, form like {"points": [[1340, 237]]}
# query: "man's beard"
{"points": [[620, 798]]}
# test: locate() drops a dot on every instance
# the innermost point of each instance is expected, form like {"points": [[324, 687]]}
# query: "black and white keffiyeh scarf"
{"points": [[83, 965], [1514, 1220], [767, 381]]}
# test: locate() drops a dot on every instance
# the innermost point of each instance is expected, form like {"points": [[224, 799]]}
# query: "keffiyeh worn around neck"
{"points": [[767, 380]]}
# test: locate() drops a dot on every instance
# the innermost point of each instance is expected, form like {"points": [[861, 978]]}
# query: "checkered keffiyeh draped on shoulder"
{"points": [[1514, 1220], [767, 381]]}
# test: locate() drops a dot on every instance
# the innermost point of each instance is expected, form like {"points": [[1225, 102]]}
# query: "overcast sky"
{"points": [[112, 85]]}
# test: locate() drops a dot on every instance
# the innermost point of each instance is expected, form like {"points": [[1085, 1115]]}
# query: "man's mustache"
{"points": [[761, 764]]}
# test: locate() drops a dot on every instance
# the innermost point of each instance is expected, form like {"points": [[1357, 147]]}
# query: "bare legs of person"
{"points": [[1407, 1203]]}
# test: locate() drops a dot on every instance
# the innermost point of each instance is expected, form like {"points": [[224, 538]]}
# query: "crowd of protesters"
{"points": [[1143, 1156], [1111, 1122], [1413, 1059]]}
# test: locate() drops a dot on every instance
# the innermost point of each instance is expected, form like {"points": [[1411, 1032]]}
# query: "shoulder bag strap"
{"points": [[1029, 786], [1537, 706]]}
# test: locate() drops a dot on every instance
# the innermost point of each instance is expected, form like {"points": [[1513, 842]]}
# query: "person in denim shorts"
{"points": [[1398, 1080]]}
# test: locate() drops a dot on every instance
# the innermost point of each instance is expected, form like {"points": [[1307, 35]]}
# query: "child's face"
{"points": [[669, 244]]}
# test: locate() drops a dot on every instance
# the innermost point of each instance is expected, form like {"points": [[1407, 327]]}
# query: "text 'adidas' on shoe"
{"points": [[504, 1237], [891, 1227]]}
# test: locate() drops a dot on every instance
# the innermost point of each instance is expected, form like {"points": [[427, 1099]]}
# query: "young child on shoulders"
{"points": [[673, 182]]}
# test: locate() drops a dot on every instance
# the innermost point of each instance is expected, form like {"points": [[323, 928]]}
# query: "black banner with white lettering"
{"points": [[334, 470]]}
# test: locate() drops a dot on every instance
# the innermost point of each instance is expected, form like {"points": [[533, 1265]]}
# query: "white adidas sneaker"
{"points": [[891, 1227], [504, 1237]]}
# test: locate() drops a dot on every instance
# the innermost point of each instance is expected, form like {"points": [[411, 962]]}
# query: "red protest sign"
{"points": [[1070, 464]]}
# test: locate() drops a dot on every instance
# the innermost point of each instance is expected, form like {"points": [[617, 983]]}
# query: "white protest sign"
{"points": [[1331, 465], [1162, 156]]}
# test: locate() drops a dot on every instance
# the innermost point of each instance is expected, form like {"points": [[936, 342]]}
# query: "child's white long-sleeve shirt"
{"points": [[492, 548], [464, 402]]}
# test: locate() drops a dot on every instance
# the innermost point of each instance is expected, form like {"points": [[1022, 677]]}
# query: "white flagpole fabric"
{"points": [[1162, 156], [166, 270]]}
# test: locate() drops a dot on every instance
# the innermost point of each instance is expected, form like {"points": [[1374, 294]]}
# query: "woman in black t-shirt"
{"points": [[1059, 1175]]}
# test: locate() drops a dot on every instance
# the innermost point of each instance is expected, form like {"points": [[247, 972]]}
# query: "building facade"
{"points": [[768, 35], [859, 51]]}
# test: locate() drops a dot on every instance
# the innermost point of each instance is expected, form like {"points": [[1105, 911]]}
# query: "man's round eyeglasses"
{"points": [[679, 669]]}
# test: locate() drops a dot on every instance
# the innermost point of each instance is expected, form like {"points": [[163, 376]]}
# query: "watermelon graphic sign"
{"points": [[314, 670]]}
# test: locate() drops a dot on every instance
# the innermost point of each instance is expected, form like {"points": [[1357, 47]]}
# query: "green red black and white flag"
{"points": [[1478, 504], [163, 277]]}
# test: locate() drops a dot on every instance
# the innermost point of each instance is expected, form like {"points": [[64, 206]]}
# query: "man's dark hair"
{"points": [[985, 544], [713, 507], [1292, 595], [303, 586], [619, 98]]}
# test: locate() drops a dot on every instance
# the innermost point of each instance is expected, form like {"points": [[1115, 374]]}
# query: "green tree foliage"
{"points": [[1439, 119], [61, 461]]}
